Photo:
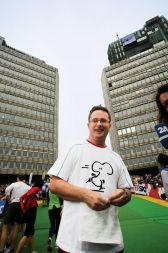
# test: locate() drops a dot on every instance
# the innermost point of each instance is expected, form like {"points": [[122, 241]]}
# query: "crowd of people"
{"points": [[153, 179], [18, 209]]}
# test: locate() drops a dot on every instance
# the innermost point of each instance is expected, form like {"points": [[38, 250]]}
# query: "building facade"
{"points": [[28, 113], [139, 65]]}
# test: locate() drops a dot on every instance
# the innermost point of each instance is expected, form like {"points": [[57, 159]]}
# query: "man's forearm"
{"points": [[66, 190], [74, 193]]}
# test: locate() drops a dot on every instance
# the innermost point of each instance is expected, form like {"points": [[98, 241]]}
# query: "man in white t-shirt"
{"points": [[94, 182]]}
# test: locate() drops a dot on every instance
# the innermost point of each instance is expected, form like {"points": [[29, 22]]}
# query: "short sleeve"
{"points": [[9, 189], [124, 178], [63, 165]]}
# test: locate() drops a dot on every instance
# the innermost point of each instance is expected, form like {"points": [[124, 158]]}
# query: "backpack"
{"points": [[3, 207]]}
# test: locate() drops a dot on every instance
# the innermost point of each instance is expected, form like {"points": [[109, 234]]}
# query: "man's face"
{"points": [[99, 126], [164, 100]]}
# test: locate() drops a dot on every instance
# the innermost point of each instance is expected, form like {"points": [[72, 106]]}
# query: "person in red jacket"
{"points": [[29, 205]]}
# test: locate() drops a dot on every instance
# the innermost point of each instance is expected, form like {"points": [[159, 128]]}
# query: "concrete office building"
{"points": [[138, 66], [28, 113]]}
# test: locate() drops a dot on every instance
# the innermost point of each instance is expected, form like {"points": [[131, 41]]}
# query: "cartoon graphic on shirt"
{"points": [[98, 175]]}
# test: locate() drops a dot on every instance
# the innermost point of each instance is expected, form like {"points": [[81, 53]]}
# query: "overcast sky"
{"points": [[73, 36]]}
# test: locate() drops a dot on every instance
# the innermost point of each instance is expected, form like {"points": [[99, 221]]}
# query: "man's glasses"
{"points": [[102, 121]]}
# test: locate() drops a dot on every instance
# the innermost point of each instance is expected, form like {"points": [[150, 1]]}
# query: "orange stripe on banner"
{"points": [[154, 200]]}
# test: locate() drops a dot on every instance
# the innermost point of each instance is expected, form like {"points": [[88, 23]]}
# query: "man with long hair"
{"points": [[162, 104], [162, 131], [161, 127]]}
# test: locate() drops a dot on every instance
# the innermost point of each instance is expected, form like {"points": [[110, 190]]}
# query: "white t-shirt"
{"points": [[16, 190], [83, 229]]}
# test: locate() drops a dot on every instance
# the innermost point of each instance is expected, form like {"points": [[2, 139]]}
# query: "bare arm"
{"points": [[8, 189], [120, 197], [71, 192]]}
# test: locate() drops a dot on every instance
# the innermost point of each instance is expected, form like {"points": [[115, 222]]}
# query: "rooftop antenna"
{"points": [[118, 38]]}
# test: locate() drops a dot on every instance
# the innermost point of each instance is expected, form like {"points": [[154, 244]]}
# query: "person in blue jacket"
{"points": [[161, 127]]}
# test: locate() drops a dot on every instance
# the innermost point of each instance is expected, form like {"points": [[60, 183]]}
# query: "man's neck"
{"points": [[97, 143]]}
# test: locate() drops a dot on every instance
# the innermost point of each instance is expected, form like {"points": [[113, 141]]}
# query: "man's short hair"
{"points": [[21, 177], [38, 183], [99, 107], [163, 159]]}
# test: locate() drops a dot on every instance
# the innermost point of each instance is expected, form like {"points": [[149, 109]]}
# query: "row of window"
{"points": [[13, 75], [27, 85], [139, 97], [25, 123], [128, 64], [26, 102], [127, 130], [14, 109], [138, 81], [141, 148], [147, 66], [141, 122], [24, 165], [27, 61], [137, 140], [19, 120], [139, 110], [18, 68], [145, 78], [45, 91], [22, 141], [26, 94], [142, 98], [26, 132], [147, 86], [26, 153], [140, 160]]}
